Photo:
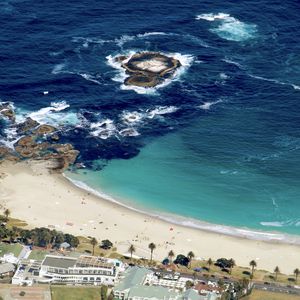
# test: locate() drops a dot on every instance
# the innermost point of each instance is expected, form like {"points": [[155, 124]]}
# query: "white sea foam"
{"points": [[128, 38], [212, 17], [207, 105], [52, 115], [124, 39], [11, 137], [133, 117], [229, 172], [185, 60], [223, 76], [141, 35], [232, 62], [129, 132], [272, 224], [59, 68], [292, 222], [296, 87], [89, 77], [103, 129], [188, 222], [229, 28], [86, 41], [161, 110]]}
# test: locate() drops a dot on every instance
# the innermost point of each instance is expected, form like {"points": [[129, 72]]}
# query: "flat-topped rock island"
{"points": [[148, 69]]}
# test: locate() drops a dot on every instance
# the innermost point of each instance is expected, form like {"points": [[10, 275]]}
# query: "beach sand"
{"points": [[50, 200]]}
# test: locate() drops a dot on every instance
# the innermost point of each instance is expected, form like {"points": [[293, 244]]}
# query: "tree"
{"points": [[12, 234], [7, 214], [296, 272], [231, 264], [104, 292], [131, 249], [72, 240], [190, 256], [151, 246], [106, 244], [276, 271], [3, 233], [59, 238], [209, 262], [181, 260], [253, 265], [93, 242], [171, 255]]}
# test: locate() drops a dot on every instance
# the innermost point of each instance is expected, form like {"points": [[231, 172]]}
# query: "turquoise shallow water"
{"points": [[201, 173], [219, 143]]}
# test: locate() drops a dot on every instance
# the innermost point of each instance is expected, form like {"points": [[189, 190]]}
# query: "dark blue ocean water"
{"points": [[219, 143]]}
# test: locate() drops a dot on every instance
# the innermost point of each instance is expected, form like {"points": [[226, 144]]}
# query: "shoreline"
{"points": [[239, 232], [51, 200]]}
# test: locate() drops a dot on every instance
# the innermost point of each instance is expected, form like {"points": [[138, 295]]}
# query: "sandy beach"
{"points": [[50, 200]]}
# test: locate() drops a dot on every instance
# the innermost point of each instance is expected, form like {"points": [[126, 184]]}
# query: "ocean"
{"points": [[217, 146]]}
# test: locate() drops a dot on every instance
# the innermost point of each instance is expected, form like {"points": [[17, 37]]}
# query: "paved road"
{"points": [[24, 253], [272, 287]]}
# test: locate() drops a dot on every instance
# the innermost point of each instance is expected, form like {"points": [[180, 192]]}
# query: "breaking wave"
{"points": [[294, 86], [229, 28], [189, 222], [207, 105]]}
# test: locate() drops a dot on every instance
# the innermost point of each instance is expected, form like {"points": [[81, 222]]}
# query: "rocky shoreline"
{"points": [[38, 142], [148, 69]]}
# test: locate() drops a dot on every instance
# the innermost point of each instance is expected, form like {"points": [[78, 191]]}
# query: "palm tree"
{"points": [[190, 256], [151, 246], [93, 242], [131, 249], [13, 233], [7, 214], [209, 262], [171, 255], [276, 271], [296, 272], [231, 264], [253, 265]]}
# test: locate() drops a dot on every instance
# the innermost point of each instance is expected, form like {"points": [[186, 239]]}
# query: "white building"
{"points": [[143, 284], [170, 281], [69, 270]]}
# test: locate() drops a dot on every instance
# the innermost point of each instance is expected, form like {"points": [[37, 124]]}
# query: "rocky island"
{"points": [[37, 142], [148, 69]]}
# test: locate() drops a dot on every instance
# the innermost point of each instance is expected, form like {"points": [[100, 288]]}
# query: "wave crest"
{"points": [[230, 28]]}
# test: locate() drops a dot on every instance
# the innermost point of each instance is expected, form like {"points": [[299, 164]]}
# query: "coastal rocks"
{"points": [[3, 151], [37, 143], [7, 111], [44, 129], [148, 69], [27, 125]]}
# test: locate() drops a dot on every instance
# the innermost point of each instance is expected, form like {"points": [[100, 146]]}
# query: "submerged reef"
{"points": [[38, 142], [148, 69]]}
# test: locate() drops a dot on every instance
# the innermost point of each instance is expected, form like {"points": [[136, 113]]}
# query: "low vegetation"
{"points": [[266, 295], [15, 249], [75, 293]]}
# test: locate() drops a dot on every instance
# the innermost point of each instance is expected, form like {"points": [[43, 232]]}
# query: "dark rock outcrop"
{"points": [[148, 69], [27, 125], [7, 111], [36, 143], [44, 129]]}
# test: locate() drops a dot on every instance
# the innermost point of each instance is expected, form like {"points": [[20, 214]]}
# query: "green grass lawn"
{"points": [[75, 293], [38, 254], [264, 295], [10, 248]]}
